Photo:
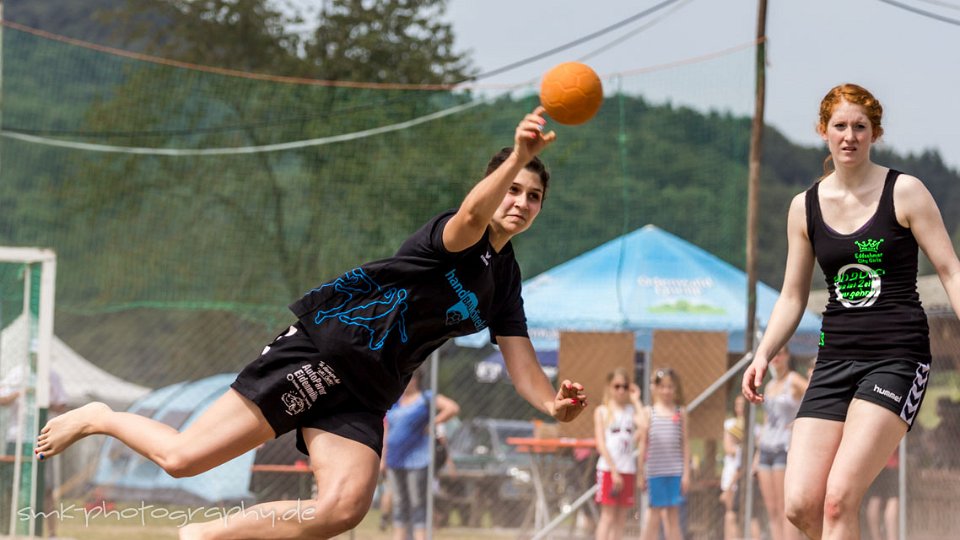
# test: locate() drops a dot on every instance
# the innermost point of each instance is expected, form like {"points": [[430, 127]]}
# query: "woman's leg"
{"points": [[619, 522], [874, 517], [771, 489], [790, 531], [813, 447], [651, 525], [417, 488], [605, 522], [386, 503], [346, 474], [891, 518], [231, 426], [400, 504], [870, 434], [731, 521], [671, 523]]}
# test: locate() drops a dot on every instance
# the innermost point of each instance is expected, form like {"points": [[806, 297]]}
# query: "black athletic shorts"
{"points": [[295, 386], [895, 384]]}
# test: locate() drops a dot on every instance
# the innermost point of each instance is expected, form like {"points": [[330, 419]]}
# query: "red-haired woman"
{"points": [[863, 223]]}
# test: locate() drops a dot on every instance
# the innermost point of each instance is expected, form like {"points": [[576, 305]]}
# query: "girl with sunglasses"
{"points": [[615, 427]]}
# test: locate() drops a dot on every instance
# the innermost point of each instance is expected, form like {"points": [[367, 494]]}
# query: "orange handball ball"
{"points": [[571, 92]]}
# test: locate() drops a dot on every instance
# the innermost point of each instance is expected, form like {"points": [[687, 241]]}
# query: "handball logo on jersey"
{"points": [[858, 284], [467, 307], [362, 302]]}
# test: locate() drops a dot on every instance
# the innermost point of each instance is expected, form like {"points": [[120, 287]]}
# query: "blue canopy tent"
{"points": [[643, 281], [123, 474]]}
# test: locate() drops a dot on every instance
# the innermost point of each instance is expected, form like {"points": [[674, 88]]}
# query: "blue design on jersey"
{"points": [[357, 284]]}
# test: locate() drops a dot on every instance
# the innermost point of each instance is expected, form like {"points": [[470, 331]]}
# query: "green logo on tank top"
{"points": [[869, 251], [858, 284]]}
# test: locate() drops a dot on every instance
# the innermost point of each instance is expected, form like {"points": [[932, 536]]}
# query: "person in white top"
{"points": [[782, 400], [615, 432]]}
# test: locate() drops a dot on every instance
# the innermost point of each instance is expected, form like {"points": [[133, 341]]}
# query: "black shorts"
{"points": [[895, 384], [295, 387]]}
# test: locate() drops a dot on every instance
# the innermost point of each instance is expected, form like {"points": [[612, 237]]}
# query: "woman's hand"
{"points": [[617, 479], [569, 402], [529, 138], [641, 481], [753, 379]]}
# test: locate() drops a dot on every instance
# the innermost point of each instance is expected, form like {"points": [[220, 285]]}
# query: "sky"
{"points": [[910, 62]]}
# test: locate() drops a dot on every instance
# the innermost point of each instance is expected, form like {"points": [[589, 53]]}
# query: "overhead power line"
{"points": [[633, 32], [940, 3], [574, 43], [922, 12]]}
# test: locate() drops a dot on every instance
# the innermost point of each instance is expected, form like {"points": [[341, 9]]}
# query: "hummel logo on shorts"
{"points": [[887, 393]]}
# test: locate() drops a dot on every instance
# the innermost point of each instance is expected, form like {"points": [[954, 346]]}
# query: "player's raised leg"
{"points": [[346, 473], [231, 426]]}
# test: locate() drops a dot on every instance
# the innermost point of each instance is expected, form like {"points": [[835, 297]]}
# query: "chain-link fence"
{"points": [[188, 207]]}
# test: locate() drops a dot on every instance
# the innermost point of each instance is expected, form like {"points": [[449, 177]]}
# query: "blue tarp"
{"points": [[643, 281], [125, 475]]}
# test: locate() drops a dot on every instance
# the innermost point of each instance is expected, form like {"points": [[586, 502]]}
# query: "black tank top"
{"points": [[873, 309]]}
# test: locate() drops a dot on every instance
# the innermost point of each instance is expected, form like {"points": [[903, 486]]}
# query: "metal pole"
{"points": [[1, 72], [753, 198], [23, 364], [747, 473], [753, 179], [902, 489], [432, 467]]}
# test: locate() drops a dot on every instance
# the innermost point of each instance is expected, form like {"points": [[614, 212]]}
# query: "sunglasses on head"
{"points": [[661, 373]]}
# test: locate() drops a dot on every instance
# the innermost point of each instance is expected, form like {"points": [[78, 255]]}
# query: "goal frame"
{"points": [[43, 340]]}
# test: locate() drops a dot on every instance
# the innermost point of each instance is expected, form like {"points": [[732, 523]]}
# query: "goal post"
{"points": [[27, 289]]}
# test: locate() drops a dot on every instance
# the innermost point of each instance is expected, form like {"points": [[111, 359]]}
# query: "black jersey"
{"points": [[871, 274], [380, 321]]}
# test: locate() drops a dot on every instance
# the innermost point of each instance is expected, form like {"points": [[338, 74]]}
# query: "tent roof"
{"points": [[82, 380], [645, 280]]}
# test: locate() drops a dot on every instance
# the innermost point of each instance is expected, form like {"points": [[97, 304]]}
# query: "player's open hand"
{"points": [[570, 401], [753, 379]]}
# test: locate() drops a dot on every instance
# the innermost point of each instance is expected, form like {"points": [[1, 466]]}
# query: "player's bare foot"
{"points": [[66, 429]]}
